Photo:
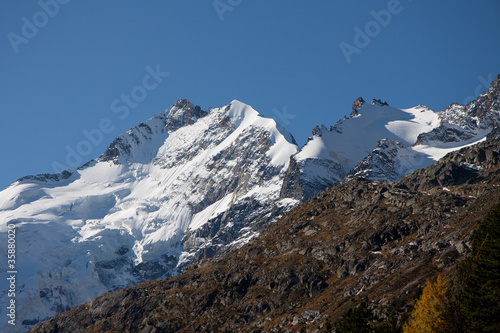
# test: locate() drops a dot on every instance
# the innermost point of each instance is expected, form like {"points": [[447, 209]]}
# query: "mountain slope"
{"points": [[357, 239], [181, 186], [189, 184]]}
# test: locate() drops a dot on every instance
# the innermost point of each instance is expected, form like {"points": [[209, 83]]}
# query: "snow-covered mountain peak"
{"points": [[330, 154], [381, 142], [244, 116], [140, 143], [184, 184], [240, 112], [353, 138]]}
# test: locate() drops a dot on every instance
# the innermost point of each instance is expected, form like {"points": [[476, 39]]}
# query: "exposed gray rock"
{"points": [[308, 178], [45, 177], [463, 122], [379, 102], [384, 163]]}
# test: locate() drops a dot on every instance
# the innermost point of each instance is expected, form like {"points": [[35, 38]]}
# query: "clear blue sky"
{"points": [[63, 67]]}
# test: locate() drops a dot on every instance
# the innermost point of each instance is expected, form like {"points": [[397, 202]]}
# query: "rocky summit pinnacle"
{"points": [[356, 105], [183, 113]]}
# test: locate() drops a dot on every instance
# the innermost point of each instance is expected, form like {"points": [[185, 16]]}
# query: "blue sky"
{"points": [[66, 66]]}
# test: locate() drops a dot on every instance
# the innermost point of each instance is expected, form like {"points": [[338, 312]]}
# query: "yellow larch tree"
{"points": [[428, 313]]}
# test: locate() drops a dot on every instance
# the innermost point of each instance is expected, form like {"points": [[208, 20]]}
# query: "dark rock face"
{"points": [[310, 177], [494, 134], [45, 177], [360, 238], [445, 133], [292, 185], [109, 270], [465, 166], [317, 131], [241, 221], [184, 113], [116, 147], [319, 174], [487, 101]]}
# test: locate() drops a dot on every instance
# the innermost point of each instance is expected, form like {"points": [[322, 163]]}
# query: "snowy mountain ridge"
{"points": [[189, 184], [383, 143], [330, 154]]}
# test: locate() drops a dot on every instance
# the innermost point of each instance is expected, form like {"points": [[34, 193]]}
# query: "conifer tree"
{"points": [[479, 278], [355, 320], [361, 320]]}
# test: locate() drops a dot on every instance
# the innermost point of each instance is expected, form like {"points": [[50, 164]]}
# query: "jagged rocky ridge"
{"points": [[357, 239]]}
